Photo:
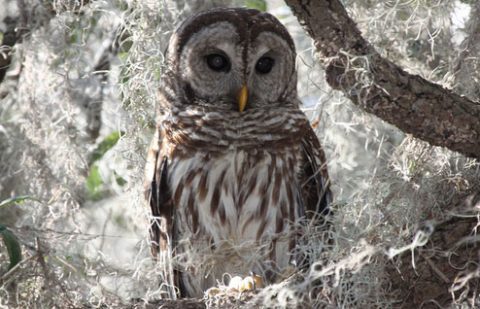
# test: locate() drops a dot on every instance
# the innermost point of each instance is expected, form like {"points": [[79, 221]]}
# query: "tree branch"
{"points": [[415, 105]]}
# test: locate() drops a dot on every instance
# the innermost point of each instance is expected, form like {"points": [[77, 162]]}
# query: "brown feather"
{"points": [[158, 197], [314, 178]]}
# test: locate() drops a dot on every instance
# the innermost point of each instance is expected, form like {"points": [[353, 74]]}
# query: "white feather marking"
{"points": [[240, 227]]}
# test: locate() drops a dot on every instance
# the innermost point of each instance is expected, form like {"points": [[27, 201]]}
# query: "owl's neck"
{"points": [[198, 128]]}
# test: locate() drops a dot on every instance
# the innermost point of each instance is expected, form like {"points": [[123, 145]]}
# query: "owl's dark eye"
{"points": [[218, 62], [264, 65]]}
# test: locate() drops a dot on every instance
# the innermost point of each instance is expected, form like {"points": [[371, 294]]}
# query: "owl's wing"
{"points": [[316, 194], [158, 196]]}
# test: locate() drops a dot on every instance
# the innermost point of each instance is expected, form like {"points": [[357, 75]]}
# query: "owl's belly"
{"points": [[238, 196], [239, 202]]}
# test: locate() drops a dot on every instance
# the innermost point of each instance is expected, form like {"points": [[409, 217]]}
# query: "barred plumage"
{"points": [[228, 186]]}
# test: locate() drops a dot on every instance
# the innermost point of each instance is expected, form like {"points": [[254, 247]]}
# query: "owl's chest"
{"points": [[237, 195]]}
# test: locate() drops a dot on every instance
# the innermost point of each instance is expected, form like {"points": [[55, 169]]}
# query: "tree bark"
{"points": [[415, 105], [445, 273]]}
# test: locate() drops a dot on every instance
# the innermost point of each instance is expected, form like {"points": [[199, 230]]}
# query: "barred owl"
{"points": [[234, 169]]}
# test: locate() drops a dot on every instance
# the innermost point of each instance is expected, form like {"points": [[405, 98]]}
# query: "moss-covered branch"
{"points": [[413, 104]]}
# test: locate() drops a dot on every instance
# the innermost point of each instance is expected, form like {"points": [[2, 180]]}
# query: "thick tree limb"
{"points": [[444, 273], [413, 104]]}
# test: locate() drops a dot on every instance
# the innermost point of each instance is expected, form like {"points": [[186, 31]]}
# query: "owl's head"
{"points": [[234, 59]]}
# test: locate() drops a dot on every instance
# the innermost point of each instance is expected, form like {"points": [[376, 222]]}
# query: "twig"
{"points": [[14, 269], [435, 269]]}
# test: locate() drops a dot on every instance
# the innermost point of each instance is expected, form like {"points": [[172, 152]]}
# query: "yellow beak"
{"points": [[242, 98]]}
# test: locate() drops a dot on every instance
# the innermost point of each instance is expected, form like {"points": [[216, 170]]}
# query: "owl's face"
{"points": [[235, 59]]}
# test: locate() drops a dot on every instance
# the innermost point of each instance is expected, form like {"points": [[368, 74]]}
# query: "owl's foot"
{"points": [[248, 283], [237, 284]]}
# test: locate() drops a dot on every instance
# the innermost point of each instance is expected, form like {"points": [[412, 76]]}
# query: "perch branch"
{"points": [[415, 105]]}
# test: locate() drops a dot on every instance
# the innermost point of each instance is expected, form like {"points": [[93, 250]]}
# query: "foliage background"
{"points": [[77, 112]]}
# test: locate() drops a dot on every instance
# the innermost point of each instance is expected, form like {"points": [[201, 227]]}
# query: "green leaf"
{"points": [[260, 5], [124, 77], [119, 179], [13, 246], [105, 146], [17, 200], [94, 184], [123, 56]]}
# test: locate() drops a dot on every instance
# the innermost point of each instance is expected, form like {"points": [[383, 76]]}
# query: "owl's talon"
{"points": [[235, 283], [249, 283]]}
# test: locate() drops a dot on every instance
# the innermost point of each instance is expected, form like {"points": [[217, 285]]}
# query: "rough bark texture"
{"points": [[445, 270], [413, 104]]}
